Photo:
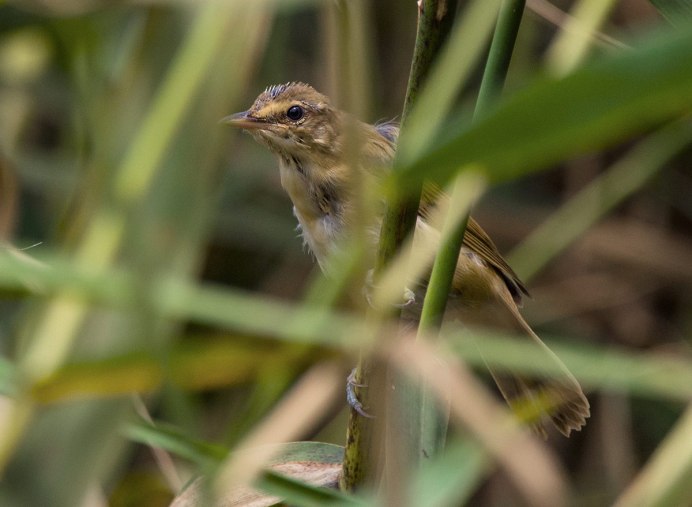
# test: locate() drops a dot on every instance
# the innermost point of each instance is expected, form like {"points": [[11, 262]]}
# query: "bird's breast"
{"points": [[315, 206]]}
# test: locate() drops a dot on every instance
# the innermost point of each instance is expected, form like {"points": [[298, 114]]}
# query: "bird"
{"points": [[313, 142]]}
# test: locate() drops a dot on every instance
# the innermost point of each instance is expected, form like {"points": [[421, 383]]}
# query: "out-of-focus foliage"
{"points": [[146, 249]]}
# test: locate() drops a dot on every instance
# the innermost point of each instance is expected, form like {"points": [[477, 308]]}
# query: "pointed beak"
{"points": [[243, 120]]}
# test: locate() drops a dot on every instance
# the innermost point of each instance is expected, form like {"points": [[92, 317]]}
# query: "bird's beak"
{"points": [[244, 120]]}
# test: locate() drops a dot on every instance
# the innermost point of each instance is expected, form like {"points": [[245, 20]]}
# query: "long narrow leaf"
{"points": [[678, 12], [175, 441], [592, 108]]}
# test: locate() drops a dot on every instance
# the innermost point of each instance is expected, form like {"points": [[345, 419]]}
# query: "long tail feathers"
{"points": [[557, 400], [541, 402]]}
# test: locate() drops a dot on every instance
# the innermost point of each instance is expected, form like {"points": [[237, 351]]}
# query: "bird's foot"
{"points": [[352, 397]]}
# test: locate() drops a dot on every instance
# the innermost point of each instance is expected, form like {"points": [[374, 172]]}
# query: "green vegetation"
{"points": [[160, 321]]}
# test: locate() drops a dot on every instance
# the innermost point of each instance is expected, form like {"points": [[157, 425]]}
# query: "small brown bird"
{"points": [[309, 137]]}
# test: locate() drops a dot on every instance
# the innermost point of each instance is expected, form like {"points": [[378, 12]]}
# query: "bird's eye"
{"points": [[295, 113]]}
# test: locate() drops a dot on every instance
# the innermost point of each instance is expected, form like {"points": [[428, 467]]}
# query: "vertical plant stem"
{"points": [[433, 424], [434, 23], [362, 449], [500, 55], [491, 86]]}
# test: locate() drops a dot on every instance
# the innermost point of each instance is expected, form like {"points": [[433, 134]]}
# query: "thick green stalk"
{"points": [[509, 19], [362, 452], [434, 23], [500, 55]]}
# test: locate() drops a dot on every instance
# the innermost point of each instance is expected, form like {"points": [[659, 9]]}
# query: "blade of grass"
{"points": [[493, 80], [194, 366], [236, 310], [176, 298], [558, 118], [299, 493], [572, 45], [176, 442], [599, 367], [432, 99], [665, 479]]}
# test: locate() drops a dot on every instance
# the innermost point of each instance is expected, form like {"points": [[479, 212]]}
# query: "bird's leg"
{"points": [[408, 299], [352, 397]]}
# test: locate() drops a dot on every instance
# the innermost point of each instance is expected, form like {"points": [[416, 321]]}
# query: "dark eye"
{"points": [[295, 113]]}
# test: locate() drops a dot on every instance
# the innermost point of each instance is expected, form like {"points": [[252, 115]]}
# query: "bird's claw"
{"points": [[352, 397]]}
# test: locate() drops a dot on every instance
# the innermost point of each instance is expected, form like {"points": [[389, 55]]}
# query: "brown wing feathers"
{"points": [[476, 240]]}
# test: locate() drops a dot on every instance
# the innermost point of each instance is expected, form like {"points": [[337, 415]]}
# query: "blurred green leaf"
{"points": [[665, 480], [175, 441], [452, 478], [225, 307], [238, 311], [604, 368], [295, 492], [676, 11], [8, 379], [553, 119], [191, 366]]}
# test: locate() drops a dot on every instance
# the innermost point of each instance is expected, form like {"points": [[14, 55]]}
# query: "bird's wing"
{"points": [[378, 150], [381, 149], [476, 240]]}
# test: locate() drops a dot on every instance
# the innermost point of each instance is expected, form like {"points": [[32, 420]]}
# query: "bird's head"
{"points": [[292, 119]]}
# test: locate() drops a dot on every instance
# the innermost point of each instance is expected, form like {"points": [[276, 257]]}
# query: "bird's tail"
{"points": [[545, 401], [554, 398]]}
